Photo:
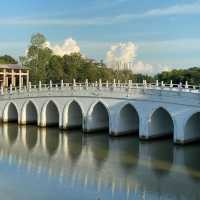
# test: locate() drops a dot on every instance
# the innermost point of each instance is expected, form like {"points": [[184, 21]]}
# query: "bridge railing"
{"points": [[99, 85]]}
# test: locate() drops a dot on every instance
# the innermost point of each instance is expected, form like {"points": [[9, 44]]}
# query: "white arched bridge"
{"points": [[151, 110]]}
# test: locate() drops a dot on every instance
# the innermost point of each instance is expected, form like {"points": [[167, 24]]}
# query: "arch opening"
{"points": [[128, 120], [52, 114], [12, 114], [74, 116], [99, 118], [192, 127], [31, 113], [161, 123]]}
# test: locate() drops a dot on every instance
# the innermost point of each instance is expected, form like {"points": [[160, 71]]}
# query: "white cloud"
{"points": [[140, 67], [68, 47], [148, 69], [123, 56], [121, 53], [69, 22], [178, 9]]}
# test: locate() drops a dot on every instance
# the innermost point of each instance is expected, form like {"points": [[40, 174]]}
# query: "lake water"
{"points": [[49, 164]]}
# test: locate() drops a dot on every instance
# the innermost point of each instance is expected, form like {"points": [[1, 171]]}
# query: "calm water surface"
{"points": [[50, 164]]}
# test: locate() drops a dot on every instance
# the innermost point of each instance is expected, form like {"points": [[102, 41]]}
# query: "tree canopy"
{"points": [[6, 59], [192, 75], [45, 66]]}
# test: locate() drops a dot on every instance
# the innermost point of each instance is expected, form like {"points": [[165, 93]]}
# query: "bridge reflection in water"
{"points": [[115, 168]]}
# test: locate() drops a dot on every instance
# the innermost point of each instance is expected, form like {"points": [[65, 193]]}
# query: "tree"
{"points": [[55, 70], [72, 65], [37, 58], [6, 59], [38, 40]]}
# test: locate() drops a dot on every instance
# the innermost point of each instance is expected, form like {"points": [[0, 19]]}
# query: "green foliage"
{"points": [[45, 66], [6, 59], [192, 75], [55, 69], [38, 40], [37, 59]]}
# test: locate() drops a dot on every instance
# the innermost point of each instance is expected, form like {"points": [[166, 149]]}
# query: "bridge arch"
{"points": [[161, 122], [29, 113], [98, 117], [10, 113], [50, 115], [192, 126], [128, 119], [73, 115]]}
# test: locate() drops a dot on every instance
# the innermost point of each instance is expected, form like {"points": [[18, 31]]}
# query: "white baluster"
{"points": [[2, 90], [74, 83], [86, 83], [40, 85], [186, 85], [61, 84], [171, 84], [129, 84], [114, 83], [50, 84], [10, 88], [118, 83], [107, 84], [145, 83], [157, 83], [29, 86]]}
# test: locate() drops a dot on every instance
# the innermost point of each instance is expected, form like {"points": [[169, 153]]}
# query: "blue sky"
{"points": [[166, 33]]}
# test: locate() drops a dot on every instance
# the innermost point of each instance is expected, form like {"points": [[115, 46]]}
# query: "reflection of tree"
{"points": [[191, 159], [12, 133], [75, 144], [52, 141], [31, 137], [99, 145], [128, 153], [161, 154]]}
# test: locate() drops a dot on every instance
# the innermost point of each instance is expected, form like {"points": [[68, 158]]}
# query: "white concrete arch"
{"points": [[160, 122], [192, 127], [73, 115], [50, 115], [98, 117], [29, 113], [128, 119], [10, 113]]}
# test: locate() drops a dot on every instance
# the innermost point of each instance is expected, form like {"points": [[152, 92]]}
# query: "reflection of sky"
{"points": [[19, 184], [100, 167]]}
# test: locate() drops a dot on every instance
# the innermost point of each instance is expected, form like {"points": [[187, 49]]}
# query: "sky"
{"points": [[154, 35]]}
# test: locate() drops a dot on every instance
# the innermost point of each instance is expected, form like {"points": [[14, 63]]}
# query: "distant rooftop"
{"points": [[11, 66]]}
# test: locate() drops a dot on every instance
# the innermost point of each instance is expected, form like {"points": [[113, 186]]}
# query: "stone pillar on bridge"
{"points": [[171, 84]]}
